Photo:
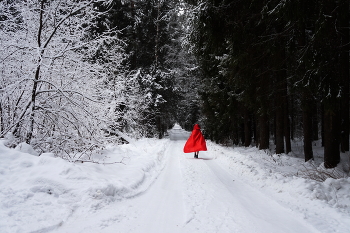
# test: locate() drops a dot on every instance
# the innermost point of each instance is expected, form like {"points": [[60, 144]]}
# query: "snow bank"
{"points": [[285, 179], [40, 193]]}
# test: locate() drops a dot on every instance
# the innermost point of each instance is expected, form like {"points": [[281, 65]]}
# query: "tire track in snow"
{"points": [[257, 212], [193, 195], [160, 208]]}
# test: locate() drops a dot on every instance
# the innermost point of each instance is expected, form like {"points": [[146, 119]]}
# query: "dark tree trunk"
{"points": [[292, 123], [287, 123], [333, 83], [279, 124], [247, 128], [235, 139], [242, 133], [263, 132], [307, 125], [256, 131], [315, 122], [344, 71], [306, 96], [262, 113], [331, 136], [345, 118], [282, 85]]}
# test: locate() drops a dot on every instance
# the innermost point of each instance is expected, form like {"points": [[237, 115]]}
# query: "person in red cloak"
{"points": [[195, 142]]}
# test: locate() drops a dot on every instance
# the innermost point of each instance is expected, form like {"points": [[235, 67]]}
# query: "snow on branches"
{"points": [[48, 85]]}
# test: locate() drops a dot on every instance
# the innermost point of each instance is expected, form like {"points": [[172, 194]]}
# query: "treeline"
{"points": [[275, 70], [150, 33]]}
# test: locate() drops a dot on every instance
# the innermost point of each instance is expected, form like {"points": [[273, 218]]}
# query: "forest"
{"points": [[79, 74]]}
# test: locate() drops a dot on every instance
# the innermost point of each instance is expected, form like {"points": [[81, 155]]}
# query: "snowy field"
{"points": [[158, 188]]}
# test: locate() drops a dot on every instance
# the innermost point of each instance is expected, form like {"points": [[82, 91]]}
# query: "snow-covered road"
{"points": [[159, 189], [192, 195]]}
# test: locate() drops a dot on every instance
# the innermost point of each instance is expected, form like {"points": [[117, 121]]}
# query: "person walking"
{"points": [[195, 142]]}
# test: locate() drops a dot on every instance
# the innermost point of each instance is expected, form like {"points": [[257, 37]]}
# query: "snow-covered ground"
{"points": [[158, 188]]}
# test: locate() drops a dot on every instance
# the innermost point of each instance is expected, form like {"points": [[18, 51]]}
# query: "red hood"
{"points": [[196, 126]]}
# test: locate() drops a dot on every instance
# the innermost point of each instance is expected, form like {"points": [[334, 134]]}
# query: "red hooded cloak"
{"points": [[196, 141]]}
